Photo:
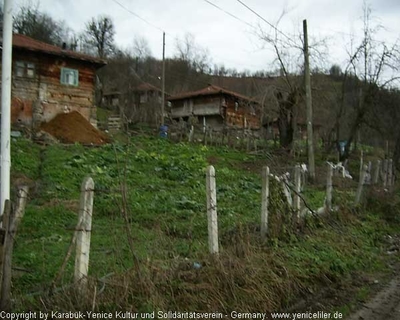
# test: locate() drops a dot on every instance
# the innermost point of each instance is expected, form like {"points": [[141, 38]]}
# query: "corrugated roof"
{"points": [[210, 90], [27, 43]]}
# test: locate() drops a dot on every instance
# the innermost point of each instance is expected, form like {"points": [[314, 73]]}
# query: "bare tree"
{"points": [[289, 59], [196, 56], [289, 94], [99, 33], [141, 48], [372, 64], [30, 21]]}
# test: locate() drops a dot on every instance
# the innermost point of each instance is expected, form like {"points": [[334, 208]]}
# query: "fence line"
{"points": [[292, 195], [237, 138]]}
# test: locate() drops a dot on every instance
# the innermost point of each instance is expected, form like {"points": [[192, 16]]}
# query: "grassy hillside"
{"points": [[161, 187]]}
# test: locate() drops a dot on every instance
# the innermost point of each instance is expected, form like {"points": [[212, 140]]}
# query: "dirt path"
{"points": [[384, 306]]}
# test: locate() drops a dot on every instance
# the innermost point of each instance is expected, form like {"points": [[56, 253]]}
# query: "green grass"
{"points": [[166, 207]]}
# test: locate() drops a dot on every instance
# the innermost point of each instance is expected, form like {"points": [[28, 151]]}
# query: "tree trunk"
{"points": [[285, 129], [353, 131], [286, 118]]}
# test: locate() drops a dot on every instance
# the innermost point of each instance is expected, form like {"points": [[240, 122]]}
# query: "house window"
{"points": [[25, 69], [69, 77], [143, 98]]}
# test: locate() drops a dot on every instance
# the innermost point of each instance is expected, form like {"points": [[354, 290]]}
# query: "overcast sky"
{"points": [[229, 41]]}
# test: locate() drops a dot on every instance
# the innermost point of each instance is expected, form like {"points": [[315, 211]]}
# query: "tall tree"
{"points": [[370, 63], [33, 23], [141, 48], [289, 93], [196, 56], [99, 33]]}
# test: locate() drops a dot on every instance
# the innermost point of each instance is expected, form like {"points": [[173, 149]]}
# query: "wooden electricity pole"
{"points": [[310, 140], [163, 82]]}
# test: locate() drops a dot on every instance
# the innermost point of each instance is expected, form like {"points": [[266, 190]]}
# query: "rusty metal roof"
{"points": [[26, 43], [210, 90], [145, 86]]}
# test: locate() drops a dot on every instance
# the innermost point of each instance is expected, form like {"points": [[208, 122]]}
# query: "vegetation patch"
{"points": [[161, 187]]}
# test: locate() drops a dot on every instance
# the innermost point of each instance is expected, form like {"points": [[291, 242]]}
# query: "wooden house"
{"points": [[141, 104], [48, 80], [217, 108], [272, 128], [147, 93]]}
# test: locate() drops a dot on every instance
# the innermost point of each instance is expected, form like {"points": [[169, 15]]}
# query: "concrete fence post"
{"points": [[361, 162], [390, 173], [264, 202], [329, 188], [191, 134], [384, 172], [376, 172], [297, 186], [361, 184], [212, 217], [83, 234]]}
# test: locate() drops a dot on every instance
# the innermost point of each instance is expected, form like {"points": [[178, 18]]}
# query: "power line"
{"points": [[230, 14], [137, 16], [182, 41], [265, 20], [272, 26], [247, 23]]}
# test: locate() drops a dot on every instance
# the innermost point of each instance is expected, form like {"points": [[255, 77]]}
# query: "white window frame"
{"points": [[69, 77]]}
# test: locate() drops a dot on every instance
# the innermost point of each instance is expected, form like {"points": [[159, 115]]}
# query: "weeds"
{"points": [[163, 197]]}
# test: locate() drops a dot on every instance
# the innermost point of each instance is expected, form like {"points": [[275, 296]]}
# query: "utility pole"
{"points": [[310, 137], [6, 105], [163, 82]]}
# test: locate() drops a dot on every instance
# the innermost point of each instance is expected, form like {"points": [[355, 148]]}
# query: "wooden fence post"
{"points": [[83, 234], [297, 186], [328, 199], [4, 258], [376, 172], [211, 191], [264, 202], [361, 184], [14, 219]]}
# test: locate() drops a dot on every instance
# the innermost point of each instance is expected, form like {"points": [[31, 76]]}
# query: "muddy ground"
{"points": [[363, 296], [384, 305]]}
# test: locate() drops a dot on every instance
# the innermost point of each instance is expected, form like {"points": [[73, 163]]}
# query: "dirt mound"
{"points": [[73, 127]]}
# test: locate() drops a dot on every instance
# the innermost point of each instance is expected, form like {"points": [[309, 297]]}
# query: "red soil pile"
{"points": [[73, 127]]}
